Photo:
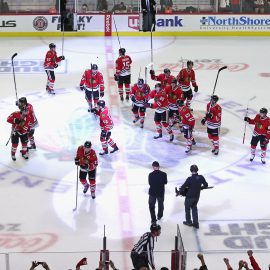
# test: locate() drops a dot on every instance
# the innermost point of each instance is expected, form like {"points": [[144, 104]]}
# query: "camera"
{"points": [[38, 263], [179, 192]]}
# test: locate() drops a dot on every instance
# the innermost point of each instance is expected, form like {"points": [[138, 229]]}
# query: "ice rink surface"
{"points": [[37, 195]]}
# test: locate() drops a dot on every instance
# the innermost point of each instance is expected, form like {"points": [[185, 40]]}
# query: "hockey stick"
{"points": [[63, 32], [152, 55], [244, 136], [116, 31], [77, 182], [9, 137], [12, 57]]}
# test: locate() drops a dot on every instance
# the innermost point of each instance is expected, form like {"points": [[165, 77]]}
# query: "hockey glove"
{"points": [[209, 115], [17, 121], [203, 121], [133, 99], [196, 88], [247, 119], [103, 134], [116, 77], [62, 57], [101, 94], [82, 87], [94, 110], [152, 72], [148, 105], [77, 162], [55, 66]]}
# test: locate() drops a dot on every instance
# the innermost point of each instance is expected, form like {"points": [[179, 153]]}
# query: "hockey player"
{"points": [[50, 64], [174, 93], [93, 84], [87, 160], [142, 254], [139, 96], [164, 78], [33, 123], [122, 74], [213, 120], [20, 121], [185, 77], [106, 124], [188, 122], [261, 133], [161, 106]]}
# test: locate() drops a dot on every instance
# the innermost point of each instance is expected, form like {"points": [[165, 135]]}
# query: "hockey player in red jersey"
{"points": [[123, 74], [33, 122], [50, 64], [261, 133], [161, 106], [106, 124], [213, 121], [20, 121], [188, 123], [93, 84], [164, 78], [174, 94], [185, 77], [139, 96], [86, 158]]}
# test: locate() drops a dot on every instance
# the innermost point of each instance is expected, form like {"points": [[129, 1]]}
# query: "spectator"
{"points": [[157, 181], [43, 264], [84, 8], [4, 7], [83, 261], [235, 6], [259, 6], [119, 7], [102, 5], [253, 262], [227, 262], [166, 5], [149, 15]]}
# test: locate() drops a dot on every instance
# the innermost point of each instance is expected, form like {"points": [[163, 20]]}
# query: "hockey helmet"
{"points": [[189, 62], [180, 102], [194, 168], [214, 98], [101, 103], [22, 103], [166, 70], [140, 82], [158, 86], [94, 67], [122, 51], [87, 144], [263, 110], [155, 227], [52, 45]]}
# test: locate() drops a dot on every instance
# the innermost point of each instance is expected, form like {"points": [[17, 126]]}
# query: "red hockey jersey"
{"points": [[186, 116], [92, 81], [50, 60], [163, 79], [87, 158], [174, 95], [185, 77], [262, 126], [21, 128], [105, 119], [140, 94], [215, 120], [123, 63], [161, 103], [33, 120]]}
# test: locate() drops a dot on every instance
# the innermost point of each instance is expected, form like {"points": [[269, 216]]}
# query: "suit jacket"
{"points": [[152, 4]]}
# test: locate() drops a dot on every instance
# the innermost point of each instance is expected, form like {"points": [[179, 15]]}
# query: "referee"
{"points": [[157, 181], [142, 253]]}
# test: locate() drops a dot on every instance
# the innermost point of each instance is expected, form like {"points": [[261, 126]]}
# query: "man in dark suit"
{"points": [[157, 181], [149, 12], [192, 188]]}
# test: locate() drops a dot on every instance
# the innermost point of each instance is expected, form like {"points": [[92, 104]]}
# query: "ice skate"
{"points": [[188, 149], [141, 125], [193, 142], [105, 152], [32, 147], [252, 156], [127, 97], [263, 160], [13, 157], [121, 98], [85, 188], [135, 120], [93, 194], [171, 137], [159, 135], [114, 149], [25, 156]]}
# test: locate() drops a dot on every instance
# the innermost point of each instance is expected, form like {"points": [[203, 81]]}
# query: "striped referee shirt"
{"points": [[146, 244]]}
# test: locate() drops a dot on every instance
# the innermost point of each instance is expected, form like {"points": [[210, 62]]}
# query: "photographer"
{"points": [[192, 189], [43, 264]]}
